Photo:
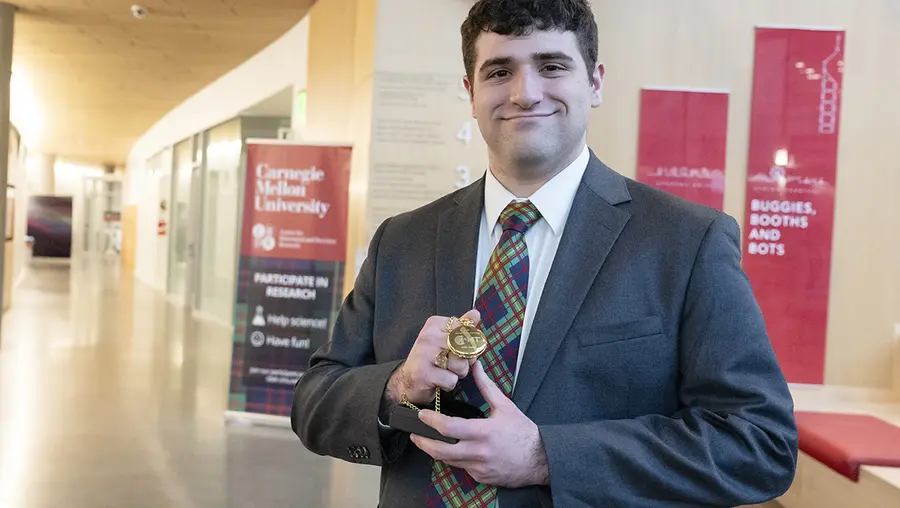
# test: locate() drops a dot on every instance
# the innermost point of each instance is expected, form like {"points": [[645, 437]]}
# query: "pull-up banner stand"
{"points": [[791, 184], [290, 273]]}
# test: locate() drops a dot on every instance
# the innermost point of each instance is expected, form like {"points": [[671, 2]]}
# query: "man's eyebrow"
{"points": [[554, 55]]}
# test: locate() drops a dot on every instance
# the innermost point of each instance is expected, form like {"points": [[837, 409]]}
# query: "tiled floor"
{"points": [[110, 397]]}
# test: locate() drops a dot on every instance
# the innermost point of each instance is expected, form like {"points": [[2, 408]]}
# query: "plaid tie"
{"points": [[501, 302]]}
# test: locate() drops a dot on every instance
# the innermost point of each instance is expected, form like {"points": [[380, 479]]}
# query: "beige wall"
{"points": [[339, 100], [420, 150], [710, 44]]}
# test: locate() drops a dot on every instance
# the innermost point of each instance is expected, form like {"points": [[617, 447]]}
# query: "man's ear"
{"points": [[471, 91], [597, 85]]}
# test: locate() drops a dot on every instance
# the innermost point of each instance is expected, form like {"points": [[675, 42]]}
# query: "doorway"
{"points": [[103, 215]]}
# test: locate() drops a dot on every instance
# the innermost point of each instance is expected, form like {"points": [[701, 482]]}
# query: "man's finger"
{"points": [[459, 366], [491, 393], [474, 315], [435, 323], [459, 428], [444, 379], [438, 450], [457, 455]]}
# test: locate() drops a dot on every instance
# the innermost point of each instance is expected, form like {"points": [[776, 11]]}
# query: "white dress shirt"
{"points": [[554, 201]]}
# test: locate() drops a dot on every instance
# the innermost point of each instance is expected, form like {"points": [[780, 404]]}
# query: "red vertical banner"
{"points": [[681, 143], [792, 164], [290, 273]]}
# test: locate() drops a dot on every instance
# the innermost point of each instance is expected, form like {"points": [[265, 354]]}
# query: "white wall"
{"points": [[145, 265], [154, 182], [68, 178], [41, 174], [281, 65]]}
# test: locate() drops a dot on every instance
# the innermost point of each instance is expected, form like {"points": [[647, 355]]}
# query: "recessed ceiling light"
{"points": [[139, 11]]}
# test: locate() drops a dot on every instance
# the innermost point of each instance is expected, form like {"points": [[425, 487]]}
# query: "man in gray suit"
{"points": [[627, 362]]}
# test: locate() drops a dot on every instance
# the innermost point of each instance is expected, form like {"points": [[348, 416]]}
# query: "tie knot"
{"points": [[519, 216]]}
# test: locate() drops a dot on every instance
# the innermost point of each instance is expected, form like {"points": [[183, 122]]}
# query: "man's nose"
{"points": [[527, 90]]}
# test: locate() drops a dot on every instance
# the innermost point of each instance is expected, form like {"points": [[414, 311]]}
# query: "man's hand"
{"points": [[419, 376], [504, 450]]}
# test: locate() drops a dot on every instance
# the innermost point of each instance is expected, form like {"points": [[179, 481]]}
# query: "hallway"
{"points": [[112, 397]]}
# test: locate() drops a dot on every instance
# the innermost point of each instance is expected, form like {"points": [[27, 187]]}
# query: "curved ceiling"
{"points": [[89, 78]]}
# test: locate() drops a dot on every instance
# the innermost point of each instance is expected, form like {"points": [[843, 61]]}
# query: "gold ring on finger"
{"points": [[442, 359]]}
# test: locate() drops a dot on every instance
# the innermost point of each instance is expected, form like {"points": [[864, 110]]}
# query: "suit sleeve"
{"points": [[734, 440], [337, 401]]}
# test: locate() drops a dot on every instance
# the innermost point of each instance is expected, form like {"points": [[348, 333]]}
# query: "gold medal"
{"points": [[467, 341]]}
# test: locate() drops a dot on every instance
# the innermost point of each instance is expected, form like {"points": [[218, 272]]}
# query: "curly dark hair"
{"points": [[520, 17]]}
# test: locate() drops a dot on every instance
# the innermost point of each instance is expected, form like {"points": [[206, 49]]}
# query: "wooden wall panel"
{"points": [[129, 237]]}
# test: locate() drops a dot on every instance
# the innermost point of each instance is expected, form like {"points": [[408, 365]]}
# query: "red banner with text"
{"points": [[681, 143], [295, 203], [792, 165]]}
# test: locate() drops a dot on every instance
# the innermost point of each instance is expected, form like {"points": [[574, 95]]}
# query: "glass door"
{"points": [[181, 202], [103, 215]]}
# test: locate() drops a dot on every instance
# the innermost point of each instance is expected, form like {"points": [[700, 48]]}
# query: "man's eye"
{"points": [[499, 74], [554, 68]]}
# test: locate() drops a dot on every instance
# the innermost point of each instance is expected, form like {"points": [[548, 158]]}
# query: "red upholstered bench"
{"points": [[844, 442]]}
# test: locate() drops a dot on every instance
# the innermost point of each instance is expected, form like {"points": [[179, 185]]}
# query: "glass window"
{"points": [[220, 220]]}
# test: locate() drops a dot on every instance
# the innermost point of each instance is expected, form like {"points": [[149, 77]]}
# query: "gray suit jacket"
{"points": [[648, 369]]}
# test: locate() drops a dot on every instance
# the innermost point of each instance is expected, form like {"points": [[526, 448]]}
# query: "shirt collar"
{"points": [[553, 200]]}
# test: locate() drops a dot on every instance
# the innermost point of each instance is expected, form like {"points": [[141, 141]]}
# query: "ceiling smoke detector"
{"points": [[139, 11]]}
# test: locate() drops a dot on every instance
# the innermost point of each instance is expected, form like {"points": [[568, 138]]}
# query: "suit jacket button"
{"points": [[365, 452]]}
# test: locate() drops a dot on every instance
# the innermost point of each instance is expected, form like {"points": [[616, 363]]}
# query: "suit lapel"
{"points": [[457, 247], [592, 228]]}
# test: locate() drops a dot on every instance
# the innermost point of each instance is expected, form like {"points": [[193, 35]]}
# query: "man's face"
{"points": [[531, 96]]}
